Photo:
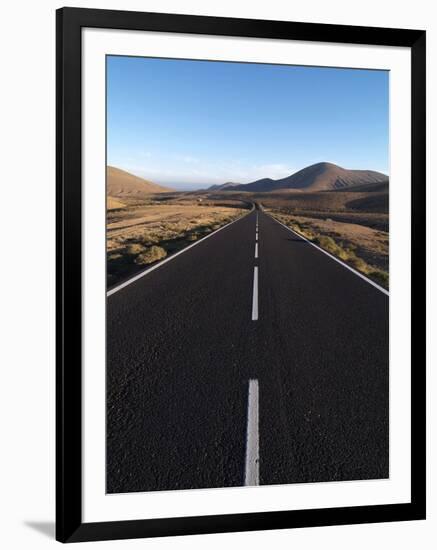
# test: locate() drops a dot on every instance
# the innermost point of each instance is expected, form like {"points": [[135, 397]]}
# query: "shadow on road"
{"points": [[296, 240]]}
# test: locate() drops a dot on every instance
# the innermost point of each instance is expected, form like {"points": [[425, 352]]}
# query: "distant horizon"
{"points": [[198, 186], [192, 124]]}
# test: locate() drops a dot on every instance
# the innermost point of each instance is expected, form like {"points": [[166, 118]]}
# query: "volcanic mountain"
{"points": [[124, 184], [323, 176]]}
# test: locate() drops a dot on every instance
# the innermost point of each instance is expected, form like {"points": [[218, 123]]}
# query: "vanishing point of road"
{"points": [[250, 358]]}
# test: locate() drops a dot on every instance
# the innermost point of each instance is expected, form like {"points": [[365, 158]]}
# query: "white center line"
{"points": [[256, 250], [255, 295], [251, 474]]}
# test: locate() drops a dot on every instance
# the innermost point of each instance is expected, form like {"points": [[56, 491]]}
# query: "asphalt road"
{"points": [[212, 382]]}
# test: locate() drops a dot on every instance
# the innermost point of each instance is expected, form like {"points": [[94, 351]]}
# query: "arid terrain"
{"points": [[348, 227], [351, 224], [362, 247], [147, 222], [139, 234]]}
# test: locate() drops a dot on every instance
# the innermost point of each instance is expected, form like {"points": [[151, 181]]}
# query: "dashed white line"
{"points": [[256, 250], [251, 474], [255, 295]]}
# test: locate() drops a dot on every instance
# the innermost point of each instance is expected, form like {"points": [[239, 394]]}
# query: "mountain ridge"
{"points": [[322, 176]]}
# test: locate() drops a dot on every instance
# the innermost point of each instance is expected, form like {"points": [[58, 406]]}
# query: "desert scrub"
{"points": [[380, 276], [345, 252], [146, 232], [350, 257], [150, 255], [328, 244], [114, 256], [134, 249], [302, 229]]}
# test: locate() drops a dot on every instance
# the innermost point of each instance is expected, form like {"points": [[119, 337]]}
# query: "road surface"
{"points": [[251, 358]]}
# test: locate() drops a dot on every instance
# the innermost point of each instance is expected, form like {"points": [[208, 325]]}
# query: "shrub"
{"points": [[134, 249], [381, 276], [359, 264], [114, 256], [148, 239], [326, 242], [150, 255], [331, 246]]}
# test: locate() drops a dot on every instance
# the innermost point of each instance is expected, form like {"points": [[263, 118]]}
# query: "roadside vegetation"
{"points": [[142, 233], [363, 248]]}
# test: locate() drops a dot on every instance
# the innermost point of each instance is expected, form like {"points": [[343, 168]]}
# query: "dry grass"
{"points": [[143, 233], [150, 255], [113, 204]]}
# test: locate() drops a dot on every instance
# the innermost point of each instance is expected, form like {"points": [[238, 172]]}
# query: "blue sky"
{"points": [[189, 124]]}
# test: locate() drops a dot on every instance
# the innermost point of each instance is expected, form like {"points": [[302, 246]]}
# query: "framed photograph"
{"points": [[240, 274]]}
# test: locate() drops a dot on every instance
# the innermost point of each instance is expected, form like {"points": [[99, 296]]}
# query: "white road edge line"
{"points": [[255, 295], [386, 292], [162, 262], [256, 250], [251, 473]]}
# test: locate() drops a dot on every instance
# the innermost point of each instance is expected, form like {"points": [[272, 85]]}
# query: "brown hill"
{"points": [[373, 202], [377, 187], [123, 184], [322, 176]]}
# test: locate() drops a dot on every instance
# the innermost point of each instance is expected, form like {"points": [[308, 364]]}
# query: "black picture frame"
{"points": [[69, 525]]}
